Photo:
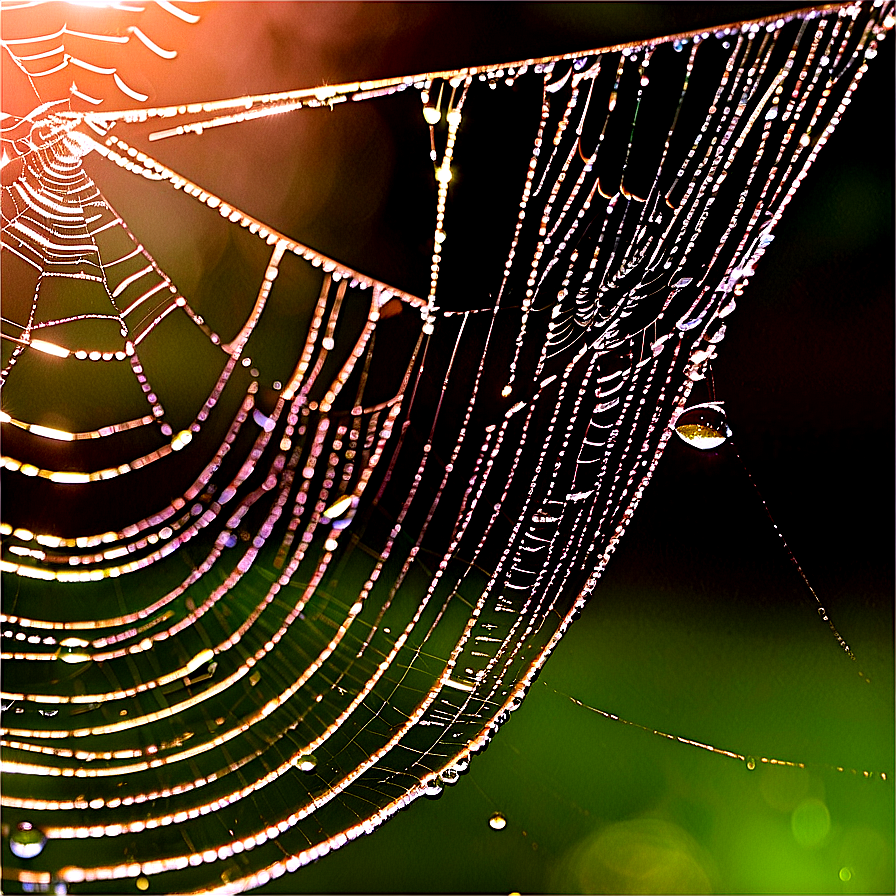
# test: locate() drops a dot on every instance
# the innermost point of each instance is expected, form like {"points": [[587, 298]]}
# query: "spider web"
{"points": [[364, 517]]}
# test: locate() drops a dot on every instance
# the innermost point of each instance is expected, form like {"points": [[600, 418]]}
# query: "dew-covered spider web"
{"points": [[292, 541]]}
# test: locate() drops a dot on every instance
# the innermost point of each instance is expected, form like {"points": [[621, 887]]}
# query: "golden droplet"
{"points": [[703, 426]]}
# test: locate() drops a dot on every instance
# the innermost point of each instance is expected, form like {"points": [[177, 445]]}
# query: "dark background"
{"points": [[702, 626]]}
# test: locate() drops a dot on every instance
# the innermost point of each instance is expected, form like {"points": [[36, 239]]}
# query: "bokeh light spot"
{"points": [[810, 823], [643, 855]]}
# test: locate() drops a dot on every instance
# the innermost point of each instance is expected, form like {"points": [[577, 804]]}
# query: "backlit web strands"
{"points": [[41, 58], [355, 547]]}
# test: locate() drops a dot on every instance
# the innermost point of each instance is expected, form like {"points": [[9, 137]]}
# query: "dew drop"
{"points": [[306, 763], [72, 651], [27, 841], [450, 776], [433, 789], [497, 822], [703, 426], [657, 346], [751, 763], [727, 309]]}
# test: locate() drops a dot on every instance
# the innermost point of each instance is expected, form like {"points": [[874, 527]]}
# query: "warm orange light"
{"points": [[50, 433], [50, 348]]}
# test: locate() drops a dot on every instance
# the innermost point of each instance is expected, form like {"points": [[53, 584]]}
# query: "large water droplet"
{"points": [[450, 776], [751, 763], [703, 426], [338, 507], [27, 841], [306, 763], [73, 651], [497, 822], [433, 789]]}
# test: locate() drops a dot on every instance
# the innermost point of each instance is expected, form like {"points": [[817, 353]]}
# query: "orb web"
{"points": [[278, 566]]}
